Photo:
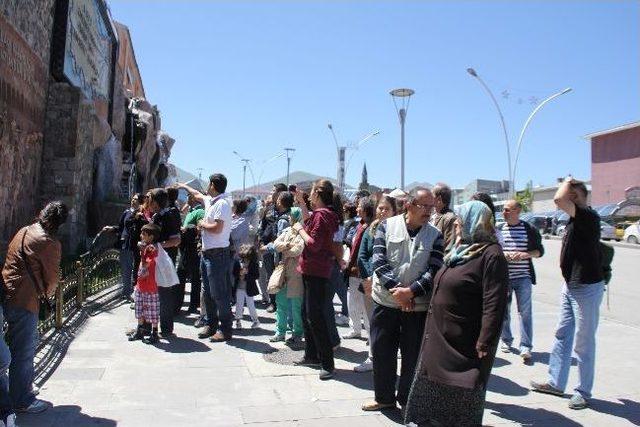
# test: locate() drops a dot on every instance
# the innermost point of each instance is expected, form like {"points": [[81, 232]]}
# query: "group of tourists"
{"points": [[431, 287]]}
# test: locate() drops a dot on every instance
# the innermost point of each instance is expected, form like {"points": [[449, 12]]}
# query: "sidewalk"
{"points": [[103, 380]]}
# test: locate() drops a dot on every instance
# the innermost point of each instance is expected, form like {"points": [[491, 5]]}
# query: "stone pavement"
{"points": [[103, 380]]}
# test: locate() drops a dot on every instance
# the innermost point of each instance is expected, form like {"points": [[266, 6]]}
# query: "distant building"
{"points": [[542, 198], [498, 190], [615, 162], [364, 182]]}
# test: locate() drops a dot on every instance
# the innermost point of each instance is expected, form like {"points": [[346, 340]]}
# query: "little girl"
{"points": [[146, 299], [245, 273]]}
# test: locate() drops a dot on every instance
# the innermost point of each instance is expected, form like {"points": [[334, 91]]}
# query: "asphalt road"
{"points": [[624, 295]]}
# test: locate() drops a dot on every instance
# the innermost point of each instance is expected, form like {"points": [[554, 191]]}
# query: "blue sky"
{"points": [[258, 76]]}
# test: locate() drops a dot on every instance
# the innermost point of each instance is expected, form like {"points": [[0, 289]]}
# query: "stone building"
{"points": [[74, 123]]}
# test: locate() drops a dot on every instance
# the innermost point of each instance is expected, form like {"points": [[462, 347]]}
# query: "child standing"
{"points": [[245, 273], [146, 297]]}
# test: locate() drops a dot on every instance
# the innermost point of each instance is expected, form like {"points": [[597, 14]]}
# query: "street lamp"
{"points": [[512, 170], [288, 150], [264, 163], [244, 171], [342, 167], [403, 95], [526, 125], [473, 73]]}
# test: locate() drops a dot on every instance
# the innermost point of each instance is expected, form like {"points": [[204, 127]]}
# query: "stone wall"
{"points": [[33, 19]]}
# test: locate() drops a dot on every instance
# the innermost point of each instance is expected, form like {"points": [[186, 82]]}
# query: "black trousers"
{"points": [[391, 329], [269, 264], [189, 269], [316, 332], [167, 308]]}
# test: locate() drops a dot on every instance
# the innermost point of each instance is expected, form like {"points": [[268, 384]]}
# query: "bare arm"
{"points": [[195, 193], [214, 227], [562, 199]]}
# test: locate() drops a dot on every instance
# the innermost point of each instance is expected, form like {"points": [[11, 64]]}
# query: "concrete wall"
{"points": [[615, 165]]}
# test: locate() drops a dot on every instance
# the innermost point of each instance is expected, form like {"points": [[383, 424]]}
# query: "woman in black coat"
{"points": [[463, 326]]}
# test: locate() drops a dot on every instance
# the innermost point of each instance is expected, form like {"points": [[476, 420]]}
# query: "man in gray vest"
{"points": [[407, 253]]}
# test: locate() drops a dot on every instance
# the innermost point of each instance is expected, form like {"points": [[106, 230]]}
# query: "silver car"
{"points": [[607, 232]]}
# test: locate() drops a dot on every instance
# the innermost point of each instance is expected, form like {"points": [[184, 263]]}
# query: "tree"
{"points": [[525, 198]]}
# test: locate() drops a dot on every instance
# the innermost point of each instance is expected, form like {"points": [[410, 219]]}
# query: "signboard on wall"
{"points": [[89, 51]]}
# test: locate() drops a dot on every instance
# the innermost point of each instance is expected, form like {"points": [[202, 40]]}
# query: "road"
{"points": [[624, 297]]}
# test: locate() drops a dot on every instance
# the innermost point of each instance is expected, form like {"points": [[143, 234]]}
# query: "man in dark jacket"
{"points": [[521, 243]]}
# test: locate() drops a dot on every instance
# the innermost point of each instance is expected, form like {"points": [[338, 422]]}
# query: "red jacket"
{"points": [[317, 256]]}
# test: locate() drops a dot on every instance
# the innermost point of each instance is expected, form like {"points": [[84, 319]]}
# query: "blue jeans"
{"points": [[579, 315], [23, 338], [521, 286], [216, 283], [5, 360], [126, 266]]}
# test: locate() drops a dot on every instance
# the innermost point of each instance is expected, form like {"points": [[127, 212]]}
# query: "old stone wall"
{"points": [[25, 40]]}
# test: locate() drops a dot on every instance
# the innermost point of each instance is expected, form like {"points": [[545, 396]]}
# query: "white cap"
{"points": [[397, 193]]}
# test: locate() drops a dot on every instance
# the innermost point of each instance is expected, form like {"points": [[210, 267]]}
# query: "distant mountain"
{"points": [[186, 177], [297, 178]]}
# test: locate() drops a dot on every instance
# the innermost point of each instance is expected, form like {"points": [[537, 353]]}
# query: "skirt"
{"points": [[445, 404]]}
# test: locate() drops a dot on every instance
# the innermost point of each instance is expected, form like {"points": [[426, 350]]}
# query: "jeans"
{"points": [[287, 307], [330, 314], [167, 298], [217, 289], [126, 266], [392, 329], [522, 287], [241, 298], [579, 315], [5, 361], [23, 338], [316, 334]]}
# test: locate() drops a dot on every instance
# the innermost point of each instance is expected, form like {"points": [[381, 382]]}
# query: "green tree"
{"points": [[525, 198]]}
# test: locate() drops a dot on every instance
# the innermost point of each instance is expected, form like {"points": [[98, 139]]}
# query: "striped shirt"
{"points": [[515, 240], [384, 270]]}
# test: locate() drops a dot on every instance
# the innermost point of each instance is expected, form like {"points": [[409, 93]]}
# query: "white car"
{"points": [[632, 233]]}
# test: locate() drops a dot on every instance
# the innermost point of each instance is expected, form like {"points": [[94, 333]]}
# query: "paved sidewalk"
{"points": [[103, 380]]}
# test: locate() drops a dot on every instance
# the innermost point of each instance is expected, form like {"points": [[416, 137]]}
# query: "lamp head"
{"points": [[472, 72]]}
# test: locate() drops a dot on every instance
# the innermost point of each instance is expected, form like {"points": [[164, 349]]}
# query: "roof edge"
{"points": [[612, 130]]}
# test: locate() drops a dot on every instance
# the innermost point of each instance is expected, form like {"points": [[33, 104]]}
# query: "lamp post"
{"points": [[342, 151], [404, 95], [244, 172], [512, 170], [526, 125], [288, 150]]}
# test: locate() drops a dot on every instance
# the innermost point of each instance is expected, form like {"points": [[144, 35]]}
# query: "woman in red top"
{"points": [[146, 297], [315, 265]]}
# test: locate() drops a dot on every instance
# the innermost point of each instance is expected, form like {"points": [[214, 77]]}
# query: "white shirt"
{"points": [[217, 208]]}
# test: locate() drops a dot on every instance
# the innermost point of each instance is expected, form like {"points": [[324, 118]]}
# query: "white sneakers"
{"points": [[10, 421], [352, 335], [255, 324], [366, 366]]}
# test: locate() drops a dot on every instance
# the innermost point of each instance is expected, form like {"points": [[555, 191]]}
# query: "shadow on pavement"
{"points": [[524, 415], [263, 319], [501, 385], [250, 345], [349, 355], [499, 362], [361, 380], [182, 345], [251, 332], [627, 409], [63, 416]]}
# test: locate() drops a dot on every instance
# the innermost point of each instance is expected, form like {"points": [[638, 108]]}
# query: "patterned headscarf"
{"points": [[295, 214], [477, 233]]}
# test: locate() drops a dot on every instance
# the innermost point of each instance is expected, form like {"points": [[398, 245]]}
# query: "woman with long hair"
{"points": [[315, 265]]}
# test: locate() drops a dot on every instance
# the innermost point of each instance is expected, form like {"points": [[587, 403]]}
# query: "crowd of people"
{"points": [[424, 282]]}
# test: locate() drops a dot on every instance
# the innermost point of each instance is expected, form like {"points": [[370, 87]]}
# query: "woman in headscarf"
{"points": [[463, 326]]}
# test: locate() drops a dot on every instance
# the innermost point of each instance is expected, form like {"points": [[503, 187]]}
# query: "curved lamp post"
{"points": [[404, 95]]}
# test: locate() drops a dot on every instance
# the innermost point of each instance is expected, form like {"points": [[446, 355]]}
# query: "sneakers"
{"points": [[219, 337], [294, 339], [137, 335], [10, 421], [307, 362], [504, 347], [238, 324], [526, 356], [206, 332], [271, 308], [577, 402], [325, 375], [255, 324], [342, 320], [353, 335], [366, 366], [276, 338], [545, 388], [36, 407]]}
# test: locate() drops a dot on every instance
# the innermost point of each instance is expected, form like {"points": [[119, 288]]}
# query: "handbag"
{"points": [[276, 281], [45, 305]]}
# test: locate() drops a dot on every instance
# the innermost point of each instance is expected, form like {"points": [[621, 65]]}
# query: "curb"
{"points": [[608, 242]]}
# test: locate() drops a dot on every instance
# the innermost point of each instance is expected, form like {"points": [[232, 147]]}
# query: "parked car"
{"points": [[607, 231], [632, 233]]}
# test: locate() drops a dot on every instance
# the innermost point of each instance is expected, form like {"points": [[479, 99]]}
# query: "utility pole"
{"points": [[288, 150]]}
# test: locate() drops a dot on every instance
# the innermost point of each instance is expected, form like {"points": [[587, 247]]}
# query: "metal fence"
{"points": [[86, 277]]}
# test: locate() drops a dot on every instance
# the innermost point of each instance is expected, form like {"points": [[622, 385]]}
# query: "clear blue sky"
{"points": [[258, 76]]}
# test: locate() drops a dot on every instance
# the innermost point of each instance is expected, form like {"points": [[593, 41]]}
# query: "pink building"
{"points": [[615, 163]]}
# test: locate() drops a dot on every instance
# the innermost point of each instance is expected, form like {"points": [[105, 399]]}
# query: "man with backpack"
{"points": [[582, 268]]}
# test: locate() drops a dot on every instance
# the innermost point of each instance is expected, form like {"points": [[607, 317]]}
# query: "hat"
{"points": [[397, 193]]}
